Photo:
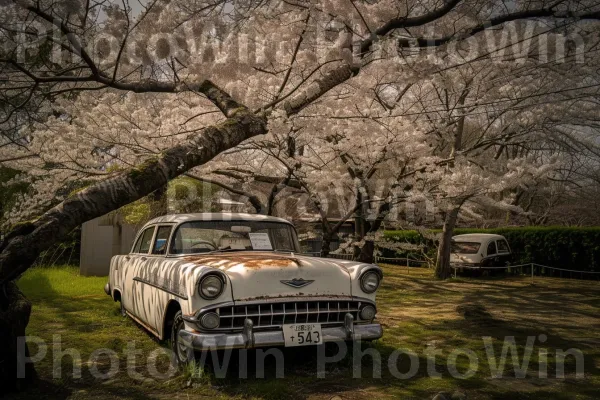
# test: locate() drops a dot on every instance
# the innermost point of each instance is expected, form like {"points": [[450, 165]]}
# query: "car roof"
{"points": [[221, 216], [477, 237]]}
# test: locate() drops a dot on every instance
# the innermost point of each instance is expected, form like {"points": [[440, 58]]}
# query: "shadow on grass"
{"points": [[295, 376], [478, 317], [84, 323]]}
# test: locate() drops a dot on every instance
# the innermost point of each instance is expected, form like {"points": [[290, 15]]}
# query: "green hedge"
{"points": [[561, 247]]}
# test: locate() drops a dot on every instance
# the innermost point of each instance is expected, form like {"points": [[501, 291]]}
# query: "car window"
{"points": [[465, 247], [143, 243], [502, 246], [491, 250], [162, 237]]}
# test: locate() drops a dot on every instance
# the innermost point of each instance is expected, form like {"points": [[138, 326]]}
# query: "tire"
{"points": [[183, 354]]}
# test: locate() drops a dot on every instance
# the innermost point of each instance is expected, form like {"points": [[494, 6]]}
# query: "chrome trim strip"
{"points": [[142, 323], [218, 341], [297, 299], [268, 316], [195, 318], [364, 300], [222, 276], [372, 267], [248, 333], [297, 283], [349, 325], [181, 296]]}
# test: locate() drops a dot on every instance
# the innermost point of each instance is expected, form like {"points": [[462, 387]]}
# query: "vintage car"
{"points": [[227, 280], [479, 250]]}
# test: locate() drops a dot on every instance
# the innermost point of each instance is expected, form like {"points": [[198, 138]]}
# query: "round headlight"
{"points": [[367, 313], [211, 287], [210, 320], [369, 282]]}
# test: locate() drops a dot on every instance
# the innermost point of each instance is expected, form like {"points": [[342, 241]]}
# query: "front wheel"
{"points": [[183, 354]]}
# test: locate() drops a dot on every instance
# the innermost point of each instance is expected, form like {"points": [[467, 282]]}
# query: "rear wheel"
{"points": [[183, 354]]}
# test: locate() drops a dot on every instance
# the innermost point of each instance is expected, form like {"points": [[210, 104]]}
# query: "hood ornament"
{"points": [[297, 283]]}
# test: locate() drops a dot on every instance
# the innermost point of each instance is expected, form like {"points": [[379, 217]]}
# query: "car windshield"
{"points": [[213, 236], [465, 247]]}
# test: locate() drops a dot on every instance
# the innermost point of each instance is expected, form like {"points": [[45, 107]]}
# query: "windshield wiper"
{"points": [[225, 250]]}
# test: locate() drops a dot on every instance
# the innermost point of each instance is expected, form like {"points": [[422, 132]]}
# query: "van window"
{"points": [[502, 246], [465, 247], [143, 243], [162, 237], [491, 250]]}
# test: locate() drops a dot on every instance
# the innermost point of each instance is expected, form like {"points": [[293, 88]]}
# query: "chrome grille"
{"points": [[273, 315]]}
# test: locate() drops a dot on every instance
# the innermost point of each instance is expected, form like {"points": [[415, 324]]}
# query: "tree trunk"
{"points": [[367, 252], [442, 265], [14, 317], [326, 243], [360, 222]]}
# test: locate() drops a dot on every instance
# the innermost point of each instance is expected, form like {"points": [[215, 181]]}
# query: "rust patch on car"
{"points": [[297, 296], [252, 261]]}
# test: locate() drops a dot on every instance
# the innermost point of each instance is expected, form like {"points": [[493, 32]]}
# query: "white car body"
{"points": [[490, 249], [263, 290]]}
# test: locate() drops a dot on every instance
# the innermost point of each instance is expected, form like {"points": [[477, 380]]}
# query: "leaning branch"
{"points": [[20, 250], [520, 15], [344, 72], [253, 199]]}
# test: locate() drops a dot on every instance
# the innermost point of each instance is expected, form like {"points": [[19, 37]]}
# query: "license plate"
{"points": [[302, 334]]}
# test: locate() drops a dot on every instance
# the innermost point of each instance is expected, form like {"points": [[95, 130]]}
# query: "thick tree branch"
{"points": [[344, 72], [254, 200], [21, 250], [521, 15]]}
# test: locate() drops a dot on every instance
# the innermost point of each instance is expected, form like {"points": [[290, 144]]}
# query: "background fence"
{"points": [[573, 249], [528, 269]]}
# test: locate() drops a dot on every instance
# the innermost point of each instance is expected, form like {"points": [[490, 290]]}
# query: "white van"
{"points": [[480, 250]]}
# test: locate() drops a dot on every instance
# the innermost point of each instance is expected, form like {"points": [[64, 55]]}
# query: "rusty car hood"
{"points": [[259, 275]]}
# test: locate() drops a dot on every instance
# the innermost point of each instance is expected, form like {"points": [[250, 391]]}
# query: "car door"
{"points": [[504, 254], [155, 281], [490, 256], [135, 269]]}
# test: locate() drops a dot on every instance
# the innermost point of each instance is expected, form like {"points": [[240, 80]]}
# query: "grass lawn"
{"points": [[418, 313]]}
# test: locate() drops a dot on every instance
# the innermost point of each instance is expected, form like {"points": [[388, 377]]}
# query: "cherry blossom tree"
{"points": [[103, 104]]}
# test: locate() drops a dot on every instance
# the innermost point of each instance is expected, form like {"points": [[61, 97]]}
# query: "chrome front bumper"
{"points": [[250, 339], [464, 265]]}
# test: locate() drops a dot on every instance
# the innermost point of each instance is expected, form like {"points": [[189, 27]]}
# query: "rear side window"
{"points": [[491, 250], [162, 237], [465, 247], [502, 246], [143, 243]]}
